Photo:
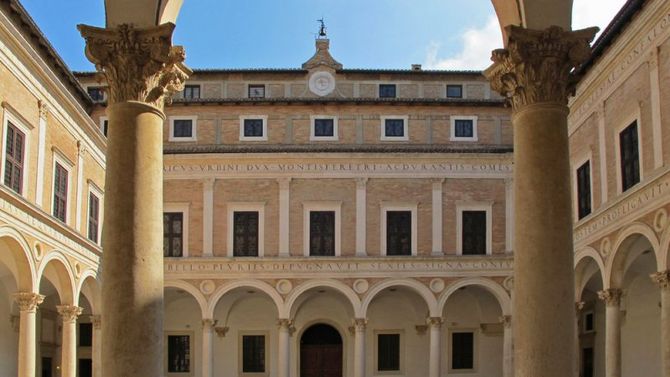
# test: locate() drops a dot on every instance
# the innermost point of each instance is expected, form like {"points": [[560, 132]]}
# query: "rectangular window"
{"points": [[85, 368], [245, 234], [388, 352], [474, 232], [387, 91], [96, 93], [173, 231], [85, 334], [253, 128], [584, 190], [14, 157], [630, 159], [192, 91], [322, 233], [462, 350], [589, 324], [253, 354], [394, 128], [324, 127], [60, 192], [256, 91], [464, 128], [587, 362], [179, 353], [104, 126], [398, 232], [93, 217], [182, 128], [454, 91]]}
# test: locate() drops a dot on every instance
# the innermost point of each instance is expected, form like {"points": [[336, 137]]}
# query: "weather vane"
{"points": [[322, 28]]}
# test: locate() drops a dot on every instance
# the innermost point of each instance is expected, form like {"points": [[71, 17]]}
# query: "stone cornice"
{"points": [[536, 66], [138, 64]]}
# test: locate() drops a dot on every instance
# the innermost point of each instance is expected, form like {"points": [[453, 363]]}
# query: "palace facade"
{"points": [[328, 221]]}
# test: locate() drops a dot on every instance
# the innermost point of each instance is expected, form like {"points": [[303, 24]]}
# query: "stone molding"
{"points": [[28, 301], [662, 279], [69, 313], [536, 67], [611, 297], [139, 64]]}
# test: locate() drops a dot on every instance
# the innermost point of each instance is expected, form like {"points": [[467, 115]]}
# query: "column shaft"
{"points": [[207, 336], [663, 280], [68, 315], [359, 347], [435, 325], [97, 346], [284, 361], [28, 303], [612, 298], [508, 348]]}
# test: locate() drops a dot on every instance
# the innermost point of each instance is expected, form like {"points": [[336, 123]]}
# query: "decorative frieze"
{"points": [[536, 67], [138, 64], [611, 297], [28, 301]]}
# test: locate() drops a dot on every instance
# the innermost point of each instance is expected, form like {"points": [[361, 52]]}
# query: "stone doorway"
{"points": [[321, 352]]}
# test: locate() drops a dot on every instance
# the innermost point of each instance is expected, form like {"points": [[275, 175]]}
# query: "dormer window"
{"points": [[256, 91], [387, 91]]}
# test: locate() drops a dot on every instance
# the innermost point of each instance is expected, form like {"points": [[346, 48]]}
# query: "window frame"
{"points": [[191, 85], [382, 128], [401, 361], [194, 128], [264, 118], [446, 90], [584, 315], [634, 118], [94, 190], [475, 348], [474, 206], [60, 159], [191, 346], [587, 157], [256, 85], [454, 118], [379, 90], [312, 131], [398, 206], [184, 209], [240, 353], [18, 123], [333, 206], [231, 208], [101, 125]]}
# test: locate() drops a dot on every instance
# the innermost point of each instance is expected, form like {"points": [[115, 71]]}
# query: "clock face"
{"points": [[322, 83]]}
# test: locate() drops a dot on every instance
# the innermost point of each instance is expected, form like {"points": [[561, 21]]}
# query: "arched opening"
{"points": [[590, 311], [321, 352], [182, 329]]}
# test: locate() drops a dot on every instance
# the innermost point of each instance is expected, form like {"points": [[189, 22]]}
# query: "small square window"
{"points": [[464, 128], [183, 128], [192, 91], [256, 91], [387, 91], [394, 128], [253, 128], [97, 93], [324, 127], [454, 91]]}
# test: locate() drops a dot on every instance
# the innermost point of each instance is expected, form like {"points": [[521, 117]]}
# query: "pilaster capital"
{"points": [[361, 183], [536, 67], [209, 324], [506, 321], [612, 296], [284, 323], [28, 301], [434, 321], [662, 279], [139, 64], [44, 109], [208, 183], [96, 320], [437, 183], [221, 331], [69, 313], [284, 182], [360, 324], [652, 58], [579, 306]]}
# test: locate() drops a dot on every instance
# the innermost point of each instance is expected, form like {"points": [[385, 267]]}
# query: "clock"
{"points": [[322, 83]]}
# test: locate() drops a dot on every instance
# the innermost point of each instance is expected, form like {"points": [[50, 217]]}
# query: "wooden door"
{"points": [[318, 360]]}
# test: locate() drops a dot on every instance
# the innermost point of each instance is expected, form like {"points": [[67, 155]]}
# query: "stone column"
{"points": [[27, 303], [361, 217], [534, 75], [663, 281], [284, 218], [142, 69], [97, 345], [435, 325], [437, 217], [612, 298], [68, 315], [359, 346], [508, 349], [207, 216], [284, 357], [207, 335], [578, 347]]}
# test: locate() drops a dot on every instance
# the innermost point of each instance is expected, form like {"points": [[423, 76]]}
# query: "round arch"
{"points": [[193, 291], [288, 308], [89, 286], [415, 285], [491, 286], [63, 281], [20, 263], [582, 259], [261, 286], [614, 271]]}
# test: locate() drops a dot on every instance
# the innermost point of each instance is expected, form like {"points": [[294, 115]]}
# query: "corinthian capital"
{"points": [[537, 65], [662, 279], [138, 64], [69, 313], [612, 296], [28, 301]]}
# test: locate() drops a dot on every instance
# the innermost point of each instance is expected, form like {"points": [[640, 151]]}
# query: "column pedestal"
{"points": [[435, 325], [359, 346], [612, 298], [663, 281], [68, 315], [284, 360], [27, 303]]}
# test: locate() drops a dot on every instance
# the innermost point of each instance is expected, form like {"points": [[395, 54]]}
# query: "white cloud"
{"points": [[587, 13], [475, 53]]}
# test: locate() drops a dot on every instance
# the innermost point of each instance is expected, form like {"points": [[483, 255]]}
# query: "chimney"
{"points": [[416, 67]]}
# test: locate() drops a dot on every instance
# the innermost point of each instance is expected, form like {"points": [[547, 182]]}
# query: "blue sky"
{"points": [[445, 34]]}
